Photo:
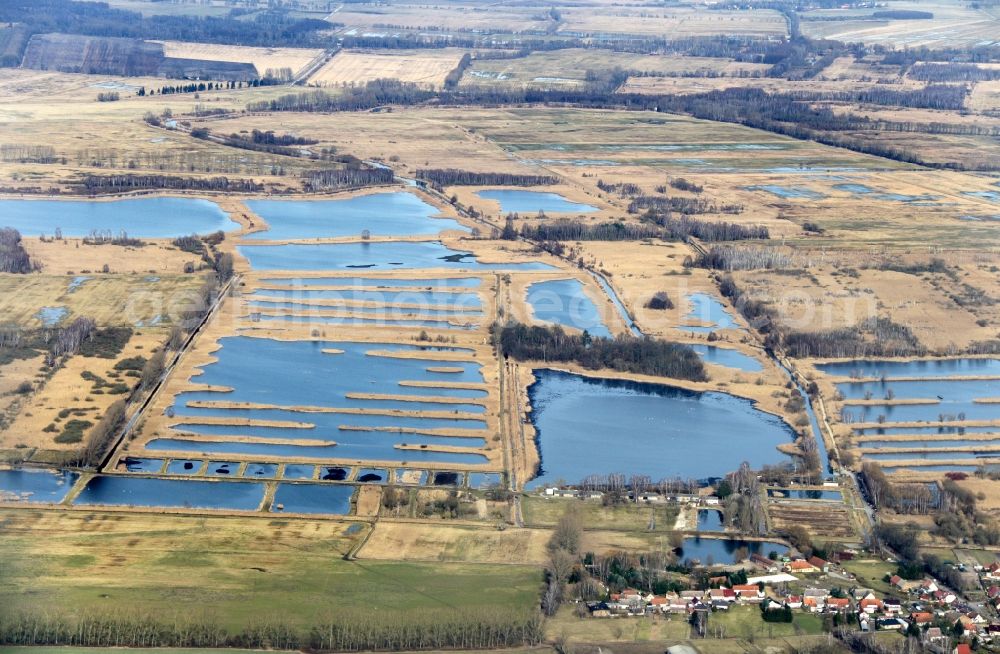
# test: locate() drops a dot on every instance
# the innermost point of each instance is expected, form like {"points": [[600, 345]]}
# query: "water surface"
{"points": [[874, 368], [141, 217], [565, 302], [719, 551], [36, 484], [394, 255], [171, 493], [598, 426], [330, 499], [531, 202], [728, 357], [382, 214]]}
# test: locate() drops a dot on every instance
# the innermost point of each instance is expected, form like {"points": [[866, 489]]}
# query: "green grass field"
{"points": [[871, 573], [244, 569], [541, 512]]}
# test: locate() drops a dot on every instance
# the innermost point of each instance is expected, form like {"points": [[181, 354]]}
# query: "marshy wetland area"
{"points": [[325, 329]]}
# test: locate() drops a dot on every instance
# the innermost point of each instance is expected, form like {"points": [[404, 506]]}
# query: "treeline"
{"points": [[664, 227], [264, 28], [23, 153], [729, 258], [129, 181], [680, 229], [566, 229], [872, 337], [340, 178], [70, 338], [680, 205], [953, 73], [441, 177], [13, 257], [284, 144], [646, 356], [460, 628], [452, 79]]}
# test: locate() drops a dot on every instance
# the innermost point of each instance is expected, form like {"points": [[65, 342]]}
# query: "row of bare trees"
{"points": [[347, 631], [13, 257]]}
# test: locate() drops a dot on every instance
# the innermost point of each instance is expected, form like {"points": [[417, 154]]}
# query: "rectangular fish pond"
{"points": [[588, 426], [943, 400], [171, 493], [875, 368], [41, 485], [375, 282], [380, 214], [319, 499], [384, 255], [804, 494]]}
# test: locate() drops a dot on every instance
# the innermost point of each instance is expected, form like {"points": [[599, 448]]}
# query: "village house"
{"points": [[870, 605], [860, 594], [794, 601], [892, 606], [748, 592], [722, 595], [891, 624], [801, 566], [838, 604], [765, 563], [819, 564], [814, 599]]}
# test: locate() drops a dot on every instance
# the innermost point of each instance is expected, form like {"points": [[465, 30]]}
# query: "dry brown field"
{"points": [[568, 68], [679, 21], [953, 24], [428, 68], [420, 541], [263, 59]]}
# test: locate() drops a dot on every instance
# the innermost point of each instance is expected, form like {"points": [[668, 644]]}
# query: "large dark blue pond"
{"points": [[912, 369], [599, 426], [171, 493], [718, 551], [533, 202], [382, 214], [371, 255], [330, 499], [36, 484], [565, 302], [141, 218]]}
